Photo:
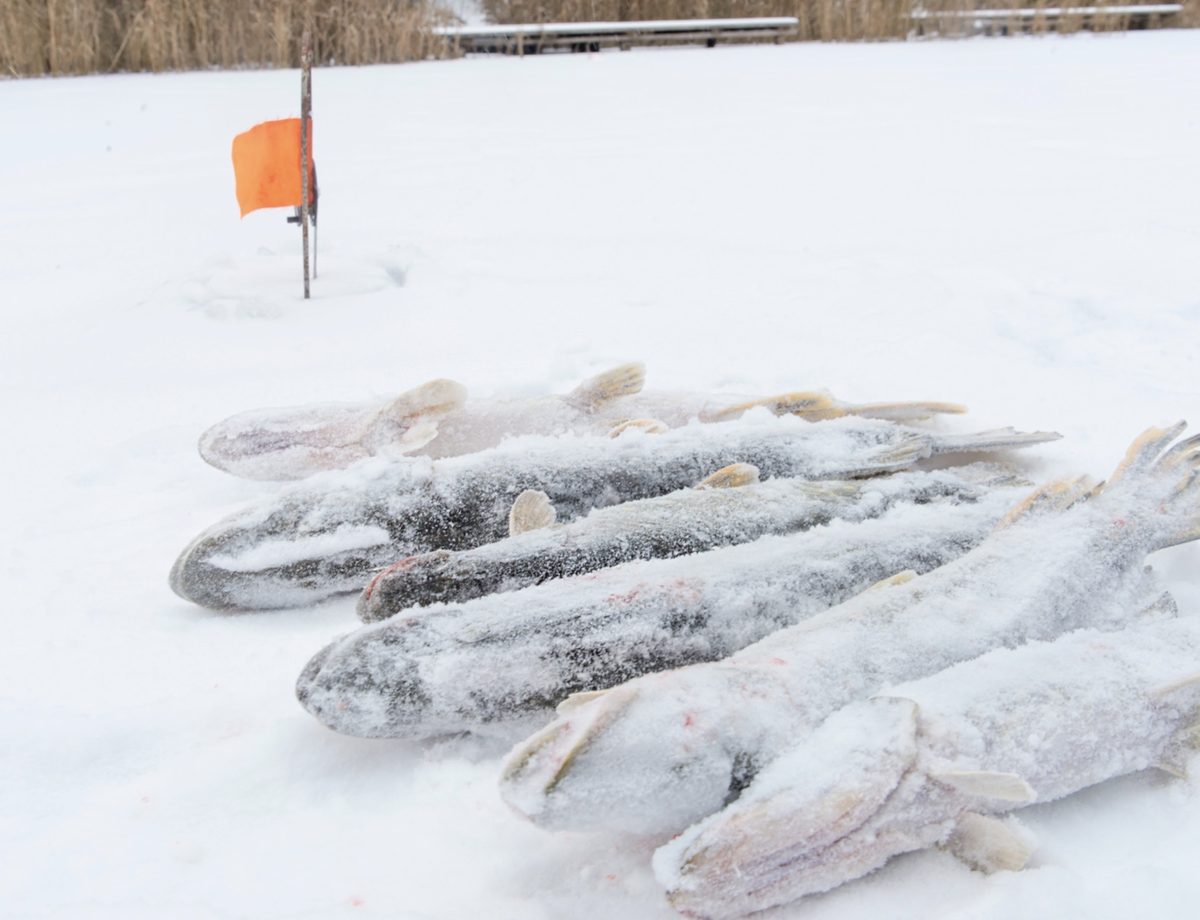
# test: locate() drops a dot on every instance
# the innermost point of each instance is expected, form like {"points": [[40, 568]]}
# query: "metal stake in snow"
{"points": [[305, 114]]}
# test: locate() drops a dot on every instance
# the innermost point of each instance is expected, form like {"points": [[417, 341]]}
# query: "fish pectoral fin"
{"points": [[575, 700], [730, 477], [531, 511], [648, 425], [1008, 787], [417, 436], [989, 844], [810, 404], [603, 388], [1056, 495]]}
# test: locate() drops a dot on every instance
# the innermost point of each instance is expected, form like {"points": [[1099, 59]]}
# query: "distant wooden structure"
{"points": [[534, 38], [1004, 22]]}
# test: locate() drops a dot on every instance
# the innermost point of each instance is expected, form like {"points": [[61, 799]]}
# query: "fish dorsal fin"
{"points": [[892, 411], [730, 477], [1056, 495], [620, 381], [575, 700], [531, 511], [810, 404], [648, 425], [900, 578], [989, 844], [1008, 787], [431, 400]]}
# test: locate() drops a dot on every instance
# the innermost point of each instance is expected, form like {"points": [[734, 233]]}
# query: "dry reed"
{"points": [[90, 36]]}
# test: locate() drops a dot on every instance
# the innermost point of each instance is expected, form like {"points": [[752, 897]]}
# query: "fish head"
{"points": [[819, 815], [649, 756], [365, 683]]}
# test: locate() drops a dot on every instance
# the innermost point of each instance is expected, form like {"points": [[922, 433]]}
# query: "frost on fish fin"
{"points": [[894, 411], [1056, 495], [531, 511], [1008, 787], [1163, 607], [648, 425], [811, 405], [730, 477], [1145, 451], [989, 844], [900, 578], [596, 391], [575, 700], [996, 439], [1184, 744], [430, 400]]}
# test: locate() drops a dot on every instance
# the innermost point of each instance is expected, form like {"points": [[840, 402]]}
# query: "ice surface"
{"points": [[1003, 223]]}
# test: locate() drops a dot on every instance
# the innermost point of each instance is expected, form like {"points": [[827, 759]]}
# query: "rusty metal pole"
{"points": [[305, 120]]}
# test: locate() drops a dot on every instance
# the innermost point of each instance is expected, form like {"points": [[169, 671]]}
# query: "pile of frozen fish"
{"points": [[786, 641]]}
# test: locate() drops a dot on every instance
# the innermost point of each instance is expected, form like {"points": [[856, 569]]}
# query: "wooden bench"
{"points": [[534, 38], [1136, 16]]}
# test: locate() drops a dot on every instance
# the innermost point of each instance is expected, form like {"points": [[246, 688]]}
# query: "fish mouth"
{"points": [[537, 767]]}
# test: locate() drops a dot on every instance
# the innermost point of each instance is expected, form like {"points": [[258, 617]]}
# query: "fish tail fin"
{"points": [[603, 388], [1162, 479], [995, 439], [904, 411]]}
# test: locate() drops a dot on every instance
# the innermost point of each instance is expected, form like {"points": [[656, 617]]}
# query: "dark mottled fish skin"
{"points": [[498, 665], [324, 536], [677, 524]]}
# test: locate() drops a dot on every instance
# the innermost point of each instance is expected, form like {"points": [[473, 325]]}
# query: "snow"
{"points": [[1003, 223]]}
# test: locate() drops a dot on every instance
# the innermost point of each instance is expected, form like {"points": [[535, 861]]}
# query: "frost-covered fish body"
{"points": [[499, 665], [325, 535], [437, 420], [927, 762], [660, 752], [676, 524]]}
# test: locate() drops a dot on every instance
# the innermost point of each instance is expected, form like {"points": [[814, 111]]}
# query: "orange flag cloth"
{"points": [[266, 165]]}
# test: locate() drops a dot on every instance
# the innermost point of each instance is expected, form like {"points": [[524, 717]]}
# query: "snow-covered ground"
{"points": [[1012, 224]]}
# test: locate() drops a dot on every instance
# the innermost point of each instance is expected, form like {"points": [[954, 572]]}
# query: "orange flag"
{"points": [[266, 165]]}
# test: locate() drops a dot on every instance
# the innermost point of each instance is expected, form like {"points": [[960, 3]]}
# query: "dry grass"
{"points": [[821, 20], [90, 36]]}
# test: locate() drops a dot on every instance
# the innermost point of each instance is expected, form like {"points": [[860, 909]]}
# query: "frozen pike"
{"points": [[498, 665], [727, 508], [932, 761], [437, 420], [324, 536], [660, 752]]}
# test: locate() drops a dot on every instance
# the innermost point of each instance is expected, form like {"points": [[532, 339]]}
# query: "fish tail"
{"points": [[1163, 479]]}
